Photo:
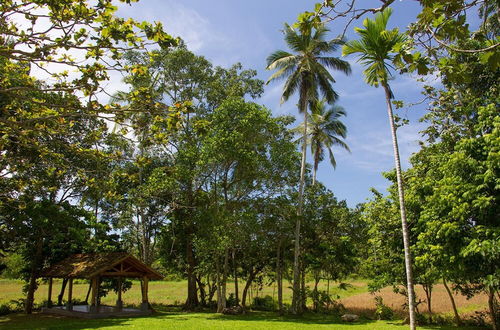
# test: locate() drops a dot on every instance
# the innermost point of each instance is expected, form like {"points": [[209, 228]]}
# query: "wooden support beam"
{"points": [[49, 298], [69, 304]]}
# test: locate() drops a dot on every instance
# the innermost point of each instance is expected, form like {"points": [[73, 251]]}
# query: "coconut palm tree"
{"points": [[323, 131], [306, 73], [375, 51]]}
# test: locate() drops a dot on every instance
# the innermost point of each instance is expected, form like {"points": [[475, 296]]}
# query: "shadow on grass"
{"points": [[175, 314]]}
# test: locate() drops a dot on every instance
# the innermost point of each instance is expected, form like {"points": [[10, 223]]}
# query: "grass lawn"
{"points": [[173, 318]]}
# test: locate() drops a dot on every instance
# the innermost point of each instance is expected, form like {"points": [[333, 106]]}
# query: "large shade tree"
{"points": [[306, 73], [376, 51]]}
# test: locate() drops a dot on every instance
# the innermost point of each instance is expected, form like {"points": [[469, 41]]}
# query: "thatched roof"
{"points": [[111, 264]]}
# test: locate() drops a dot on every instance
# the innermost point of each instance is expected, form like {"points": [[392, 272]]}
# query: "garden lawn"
{"points": [[176, 319]]}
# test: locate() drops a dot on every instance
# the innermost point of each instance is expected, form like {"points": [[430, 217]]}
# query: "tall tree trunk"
{"points": [[316, 164], [30, 298], [404, 222], [218, 279], [279, 277], [296, 297], [455, 311], [225, 271], [235, 275], [192, 298], [303, 295]]}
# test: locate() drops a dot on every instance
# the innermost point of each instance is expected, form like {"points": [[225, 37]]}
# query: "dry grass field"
{"points": [[365, 302]]}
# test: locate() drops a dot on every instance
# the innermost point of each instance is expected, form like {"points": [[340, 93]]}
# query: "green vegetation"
{"points": [[176, 319], [187, 171]]}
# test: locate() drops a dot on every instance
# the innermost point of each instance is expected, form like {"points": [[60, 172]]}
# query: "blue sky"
{"points": [[228, 31]]}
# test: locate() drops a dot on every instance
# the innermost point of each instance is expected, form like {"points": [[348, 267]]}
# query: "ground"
{"points": [[356, 299]]}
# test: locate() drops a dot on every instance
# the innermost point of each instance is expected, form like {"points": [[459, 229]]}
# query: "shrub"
{"points": [[263, 303], [231, 301], [383, 312], [5, 309]]}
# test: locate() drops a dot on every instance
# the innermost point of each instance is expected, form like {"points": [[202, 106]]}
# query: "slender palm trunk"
{"points": [[316, 163], [404, 223], [296, 299]]}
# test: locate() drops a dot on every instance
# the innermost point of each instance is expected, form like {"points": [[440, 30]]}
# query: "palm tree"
{"points": [[323, 131], [306, 72], [375, 50]]}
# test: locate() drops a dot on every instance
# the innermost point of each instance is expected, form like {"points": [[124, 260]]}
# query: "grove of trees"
{"points": [[187, 171]]}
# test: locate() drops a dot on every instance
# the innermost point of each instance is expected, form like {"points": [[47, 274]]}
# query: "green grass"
{"points": [[175, 319], [160, 292]]}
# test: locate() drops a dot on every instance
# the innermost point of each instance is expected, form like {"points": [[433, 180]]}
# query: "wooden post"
{"points": [[119, 302], [93, 299], [69, 304], [49, 298], [145, 303]]}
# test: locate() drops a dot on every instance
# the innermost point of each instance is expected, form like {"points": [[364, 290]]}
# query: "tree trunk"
{"points": [[493, 306], [428, 293], [248, 283], [224, 278], [296, 297], [316, 163], [219, 293], [203, 293], [279, 278], [316, 298], [404, 223], [30, 298], [455, 311], [235, 275], [328, 293], [192, 298], [212, 289], [303, 295]]}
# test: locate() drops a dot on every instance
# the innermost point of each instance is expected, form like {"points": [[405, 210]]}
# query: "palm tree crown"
{"points": [[324, 131], [375, 48], [306, 71]]}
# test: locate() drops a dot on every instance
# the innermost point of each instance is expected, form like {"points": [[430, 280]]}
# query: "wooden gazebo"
{"points": [[94, 267]]}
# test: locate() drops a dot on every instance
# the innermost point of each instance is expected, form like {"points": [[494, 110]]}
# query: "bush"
{"points": [[5, 309], [326, 303], [264, 304], [383, 312], [231, 301]]}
